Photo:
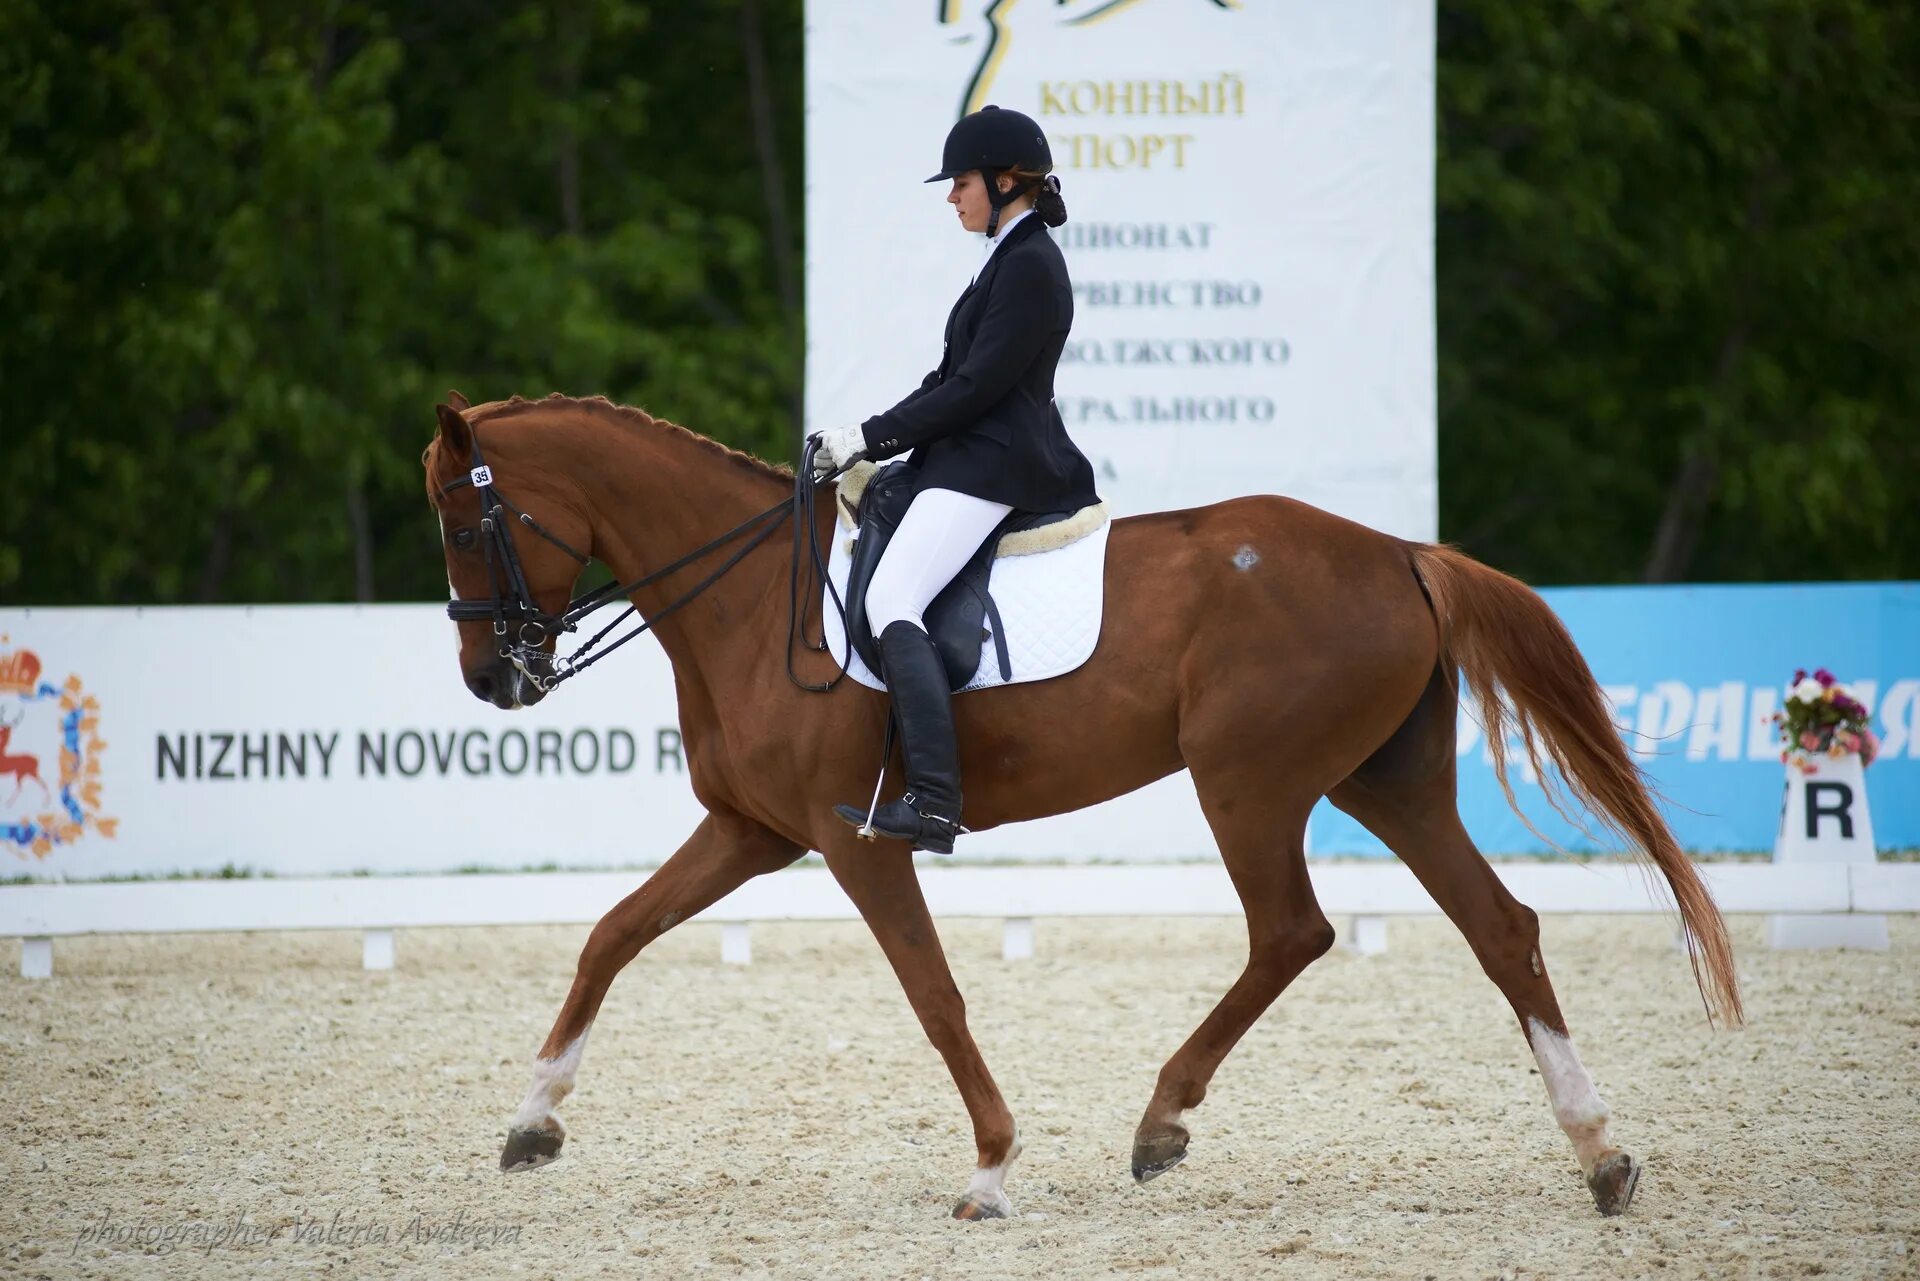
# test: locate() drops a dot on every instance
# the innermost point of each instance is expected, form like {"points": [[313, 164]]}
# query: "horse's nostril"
{"points": [[483, 684]]}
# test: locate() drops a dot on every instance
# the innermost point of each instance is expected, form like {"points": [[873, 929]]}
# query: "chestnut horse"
{"points": [[1276, 652]]}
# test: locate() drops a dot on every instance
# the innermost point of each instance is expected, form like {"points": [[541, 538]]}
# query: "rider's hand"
{"points": [[839, 447]]}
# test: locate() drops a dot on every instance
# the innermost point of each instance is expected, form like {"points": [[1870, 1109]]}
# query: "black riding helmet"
{"points": [[993, 139]]}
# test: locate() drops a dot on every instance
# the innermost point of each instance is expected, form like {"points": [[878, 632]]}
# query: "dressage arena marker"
{"points": [[1824, 818], [1370, 893]]}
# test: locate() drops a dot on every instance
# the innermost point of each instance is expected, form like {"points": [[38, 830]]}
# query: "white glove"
{"points": [[839, 447]]}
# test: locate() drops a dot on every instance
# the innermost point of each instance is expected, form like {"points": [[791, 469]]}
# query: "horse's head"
{"points": [[509, 576]]}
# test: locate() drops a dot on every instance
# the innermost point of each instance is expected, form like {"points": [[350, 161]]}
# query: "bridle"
{"points": [[511, 600]]}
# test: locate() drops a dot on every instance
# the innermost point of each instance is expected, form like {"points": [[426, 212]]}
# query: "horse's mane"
{"points": [[601, 407]]}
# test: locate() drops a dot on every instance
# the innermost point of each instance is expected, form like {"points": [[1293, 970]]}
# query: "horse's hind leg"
{"points": [[1404, 794], [1261, 835], [724, 852]]}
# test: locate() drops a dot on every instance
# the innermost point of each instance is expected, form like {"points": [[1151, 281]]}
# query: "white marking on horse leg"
{"points": [[552, 1082], [986, 1188], [1576, 1104]]}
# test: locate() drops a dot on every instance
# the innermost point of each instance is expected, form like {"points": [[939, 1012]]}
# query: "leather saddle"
{"points": [[959, 616]]}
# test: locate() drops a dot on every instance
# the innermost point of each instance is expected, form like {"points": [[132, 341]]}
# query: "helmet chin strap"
{"points": [[997, 198]]}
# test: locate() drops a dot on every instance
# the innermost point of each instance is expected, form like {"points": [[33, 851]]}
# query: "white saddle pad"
{"points": [[1049, 603]]}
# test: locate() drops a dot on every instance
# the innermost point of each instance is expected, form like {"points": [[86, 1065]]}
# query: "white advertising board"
{"points": [[313, 739], [1250, 190], [317, 739]]}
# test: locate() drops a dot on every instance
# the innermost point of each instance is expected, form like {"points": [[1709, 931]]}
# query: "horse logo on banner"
{"points": [[995, 37], [41, 722]]}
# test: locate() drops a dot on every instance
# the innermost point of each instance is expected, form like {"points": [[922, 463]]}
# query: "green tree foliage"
{"points": [[247, 246], [1679, 291]]}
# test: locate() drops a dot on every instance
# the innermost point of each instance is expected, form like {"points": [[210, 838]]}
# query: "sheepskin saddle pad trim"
{"points": [[1021, 542]]}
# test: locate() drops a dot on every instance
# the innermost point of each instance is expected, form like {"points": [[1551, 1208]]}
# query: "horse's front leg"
{"points": [[724, 852], [882, 884]]}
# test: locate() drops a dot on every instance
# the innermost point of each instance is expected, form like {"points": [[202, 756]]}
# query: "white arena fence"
{"points": [[1368, 894], [360, 804], [120, 769]]}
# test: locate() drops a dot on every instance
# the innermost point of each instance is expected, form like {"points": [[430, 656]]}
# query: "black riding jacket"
{"points": [[984, 422]]}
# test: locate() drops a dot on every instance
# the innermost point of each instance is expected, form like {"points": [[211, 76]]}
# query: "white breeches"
{"points": [[940, 532]]}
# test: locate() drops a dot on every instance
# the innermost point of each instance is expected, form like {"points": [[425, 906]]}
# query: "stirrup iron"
{"points": [[866, 831]]}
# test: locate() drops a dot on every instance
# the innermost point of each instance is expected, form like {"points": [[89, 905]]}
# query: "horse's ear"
{"points": [[454, 431], [459, 402]]}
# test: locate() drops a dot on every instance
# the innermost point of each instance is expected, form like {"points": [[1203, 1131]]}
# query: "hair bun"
{"points": [[1048, 203]]}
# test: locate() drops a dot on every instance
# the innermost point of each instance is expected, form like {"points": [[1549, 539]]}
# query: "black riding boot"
{"points": [[929, 813]]}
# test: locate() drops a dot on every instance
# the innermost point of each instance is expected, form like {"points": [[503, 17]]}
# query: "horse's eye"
{"points": [[463, 539]]}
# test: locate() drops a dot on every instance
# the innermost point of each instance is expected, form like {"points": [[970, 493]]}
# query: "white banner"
{"points": [[1250, 189], [307, 739], [334, 739]]}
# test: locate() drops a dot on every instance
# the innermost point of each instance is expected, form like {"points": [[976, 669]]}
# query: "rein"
{"points": [[511, 599]]}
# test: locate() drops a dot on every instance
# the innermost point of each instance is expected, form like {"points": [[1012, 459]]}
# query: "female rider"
{"points": [[985, 437]]}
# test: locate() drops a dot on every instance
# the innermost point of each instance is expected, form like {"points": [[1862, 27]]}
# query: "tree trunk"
{"points": [[1690, 496], [213, 570], [569, 36], [773, 186], [332, 304], [1678, 534], [362, 528], [772, 181]]}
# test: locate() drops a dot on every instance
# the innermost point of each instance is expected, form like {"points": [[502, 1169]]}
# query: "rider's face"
{"points": [[969, 199]]}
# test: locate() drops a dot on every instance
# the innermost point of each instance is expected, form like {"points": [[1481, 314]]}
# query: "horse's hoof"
{"points": [[1153, 1157], [974, 1208], [531, 1149], [1612, 1183]]}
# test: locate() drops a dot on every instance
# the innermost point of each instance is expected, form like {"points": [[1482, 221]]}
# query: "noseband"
{"points": [[512, 600]]}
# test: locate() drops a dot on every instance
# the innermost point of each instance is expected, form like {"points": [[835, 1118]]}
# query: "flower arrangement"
{"points": [[1823, 718]]}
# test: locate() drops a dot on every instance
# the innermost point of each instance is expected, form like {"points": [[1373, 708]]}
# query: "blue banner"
{"points": [[1695, 675]]}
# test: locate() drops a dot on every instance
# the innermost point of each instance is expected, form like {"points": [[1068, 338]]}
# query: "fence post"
{"points": [[36, 958], [376, 950], [1367, 935]]}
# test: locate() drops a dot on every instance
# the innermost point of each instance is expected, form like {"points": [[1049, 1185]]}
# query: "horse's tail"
{"points": [[1504, 637]]}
